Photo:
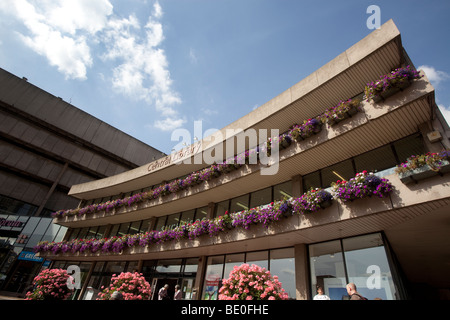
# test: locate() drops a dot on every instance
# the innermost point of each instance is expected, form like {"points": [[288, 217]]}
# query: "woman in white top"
{"points": [[320, 295]]}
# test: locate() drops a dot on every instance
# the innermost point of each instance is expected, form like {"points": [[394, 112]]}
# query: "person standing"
{"points": [[162, 293], [177, 295], [320, 295], [354, 295]]}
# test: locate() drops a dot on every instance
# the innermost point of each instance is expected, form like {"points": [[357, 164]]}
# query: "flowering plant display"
{"points": [[340, 112], [50, 284], [132, 286], [247, 282], [433, 159], [399, 78], [312, 201], [220, 224], [306, 129], [364, 184]]}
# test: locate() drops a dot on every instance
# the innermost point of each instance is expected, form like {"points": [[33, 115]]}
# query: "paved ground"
{"points": [[9, 298]]}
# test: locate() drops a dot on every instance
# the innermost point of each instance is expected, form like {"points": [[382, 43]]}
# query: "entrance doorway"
{"points": [[159, 283]]}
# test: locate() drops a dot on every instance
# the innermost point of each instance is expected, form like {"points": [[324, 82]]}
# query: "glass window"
{"points": [[145, 226], [83, 233], [201, 213], [173, 220], [123, 229], [376, 160], [261, 197], [132, 266], [96, 279], [368, 267], [361, 260], [221, 208], [232, 260], [61, 234], [160, 223], [114, 230], [92, 232], [191, 265], [283, 190], [409, 146], [311, 181], [213, 278], [340, 171], [260, 258], [239, 203], [282, 264], [188, 216], [101, 232], [327, 269], [169, 266], [135, 227]]}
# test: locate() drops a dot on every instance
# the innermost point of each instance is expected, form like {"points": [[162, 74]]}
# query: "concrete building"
{"points": [[393, 242], [46, 146]]}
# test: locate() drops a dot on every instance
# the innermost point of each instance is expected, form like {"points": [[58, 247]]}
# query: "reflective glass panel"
{"points": [[327, 269], [232, 260], [260, 258], [281, 191], [213, 278], [282, 264], [260, 197], [368, 267], [239, 203]]}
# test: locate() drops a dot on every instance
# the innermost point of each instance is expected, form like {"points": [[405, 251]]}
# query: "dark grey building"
{"points": [[46, 146]]}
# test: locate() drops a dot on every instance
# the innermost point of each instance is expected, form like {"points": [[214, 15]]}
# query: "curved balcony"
{"points": [[376, 125], [405, 204]]}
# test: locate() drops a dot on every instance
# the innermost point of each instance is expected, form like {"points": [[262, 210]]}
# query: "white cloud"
{"points": [[65, 32], [169, 124], [435, 76], [193, 56], [445, 112], [142, 72], [54, 27]]}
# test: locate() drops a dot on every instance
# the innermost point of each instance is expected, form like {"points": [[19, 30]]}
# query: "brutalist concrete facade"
{"points": [[46, 146]]}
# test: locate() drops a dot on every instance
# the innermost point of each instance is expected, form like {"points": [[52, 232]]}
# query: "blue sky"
{"points": [[147, 67]]}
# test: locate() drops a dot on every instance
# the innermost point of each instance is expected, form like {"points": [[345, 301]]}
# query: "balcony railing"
{"points": [[363, 185]]}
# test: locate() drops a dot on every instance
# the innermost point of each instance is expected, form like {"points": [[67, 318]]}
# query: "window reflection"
{"points": [[368, 267], [213, 278], [361, 260], [282, 264], [327, 269], [260, 197]]}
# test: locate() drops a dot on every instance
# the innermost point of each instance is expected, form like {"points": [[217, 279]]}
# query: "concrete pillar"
{"points": [[297, 186], [199, 279], [211, 207], [301, 272], [50, 192]]}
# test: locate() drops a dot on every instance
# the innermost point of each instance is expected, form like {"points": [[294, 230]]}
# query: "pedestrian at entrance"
{"points": [[177, 295], [163, 294], [354, 295], [320, 295]]}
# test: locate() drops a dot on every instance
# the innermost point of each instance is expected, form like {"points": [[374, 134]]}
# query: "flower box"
{"points": [[340, 112], [391, 83], [423, 172], [391, 91]]}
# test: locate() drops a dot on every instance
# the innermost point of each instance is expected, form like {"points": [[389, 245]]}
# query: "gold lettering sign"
{"points": [[176, 157]]}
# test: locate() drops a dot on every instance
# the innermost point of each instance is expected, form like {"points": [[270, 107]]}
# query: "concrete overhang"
{"points": [[340, 79], [377, 125]]}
